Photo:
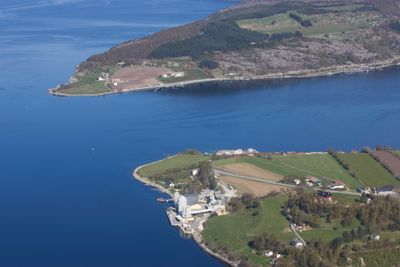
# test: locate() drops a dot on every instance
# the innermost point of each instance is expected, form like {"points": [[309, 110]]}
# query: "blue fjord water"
{"points": [[66, 193]]}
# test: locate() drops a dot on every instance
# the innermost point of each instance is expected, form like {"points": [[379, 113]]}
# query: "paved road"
{"points": [[264, 181]]}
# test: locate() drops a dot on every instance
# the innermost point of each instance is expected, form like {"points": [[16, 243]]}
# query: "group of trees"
{"points": [[318, 253], [269, 242], [304, 23], [246, 201], [206, 175], [220, 36], [395, 26], [381, 214], [305, 208], [341, 162], [208, 64]]}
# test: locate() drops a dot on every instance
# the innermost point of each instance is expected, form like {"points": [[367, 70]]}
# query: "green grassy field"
{"points": [[302, 165], [274, 24], [368, 170], [179, 161], [234, 231], [330, 23], [190, 75], [397, 153], [350, 7], [88, 84]]}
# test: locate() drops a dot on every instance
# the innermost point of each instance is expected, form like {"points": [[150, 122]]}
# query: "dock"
{"points": [[171, 214]]}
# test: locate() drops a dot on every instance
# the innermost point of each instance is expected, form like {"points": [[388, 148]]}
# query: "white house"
{"points": [[386, 190], [374, 237], [337, 185], [195, 172], [268, 253], [296, 243]]}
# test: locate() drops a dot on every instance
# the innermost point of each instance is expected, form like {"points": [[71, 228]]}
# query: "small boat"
{"points": [[161, 200]]}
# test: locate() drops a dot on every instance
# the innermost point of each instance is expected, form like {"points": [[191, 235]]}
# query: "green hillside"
{"points": [[368, 170], [178, 162], [234, 231]]}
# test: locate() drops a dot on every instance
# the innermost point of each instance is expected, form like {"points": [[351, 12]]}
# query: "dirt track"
{"points": [[137, 77], [251, 170], [251, 187]]}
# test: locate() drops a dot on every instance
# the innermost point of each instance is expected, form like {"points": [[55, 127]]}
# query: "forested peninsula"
{"points": [[253, 40]]}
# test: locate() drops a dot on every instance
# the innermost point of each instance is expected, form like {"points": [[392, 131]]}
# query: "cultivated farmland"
{"points": [[322, 165], [367, 170], [389, 160], [341, 20]]}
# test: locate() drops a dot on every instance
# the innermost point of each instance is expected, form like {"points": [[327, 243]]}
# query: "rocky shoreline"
{"points": [[301, 74]]}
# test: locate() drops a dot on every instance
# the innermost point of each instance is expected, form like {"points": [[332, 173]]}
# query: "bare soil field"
{"points": [[389, 160], [251, 170], [254, 188], [137, 77]]}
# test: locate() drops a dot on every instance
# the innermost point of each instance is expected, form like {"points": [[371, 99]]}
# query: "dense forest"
{"points": [[223, 36]]}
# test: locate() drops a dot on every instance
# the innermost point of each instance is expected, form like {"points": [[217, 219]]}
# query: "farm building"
{"points": [[296, 243], [386, 190], [337, 185]]}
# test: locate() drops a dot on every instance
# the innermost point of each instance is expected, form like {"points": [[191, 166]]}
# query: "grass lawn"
{"points": [[328, 232], [274, 24], [302, 165], [345, 199], [88, 84], [190, 75], [350, 7], [368, 170], [179, 161], [343, 20], [234, 231], [397, 153], [390, 235]]}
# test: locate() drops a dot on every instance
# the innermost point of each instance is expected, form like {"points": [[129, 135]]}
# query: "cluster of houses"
{"points": [[380, 191], [312, 181], [237, 152], [174, 75], [104, 76], [295, 243]]}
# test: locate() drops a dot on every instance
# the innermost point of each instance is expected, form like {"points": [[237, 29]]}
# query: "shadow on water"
{"points": [[233, 87]]}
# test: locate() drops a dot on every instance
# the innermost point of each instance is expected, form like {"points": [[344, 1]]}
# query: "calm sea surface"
{"points": [[66, 193]]}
